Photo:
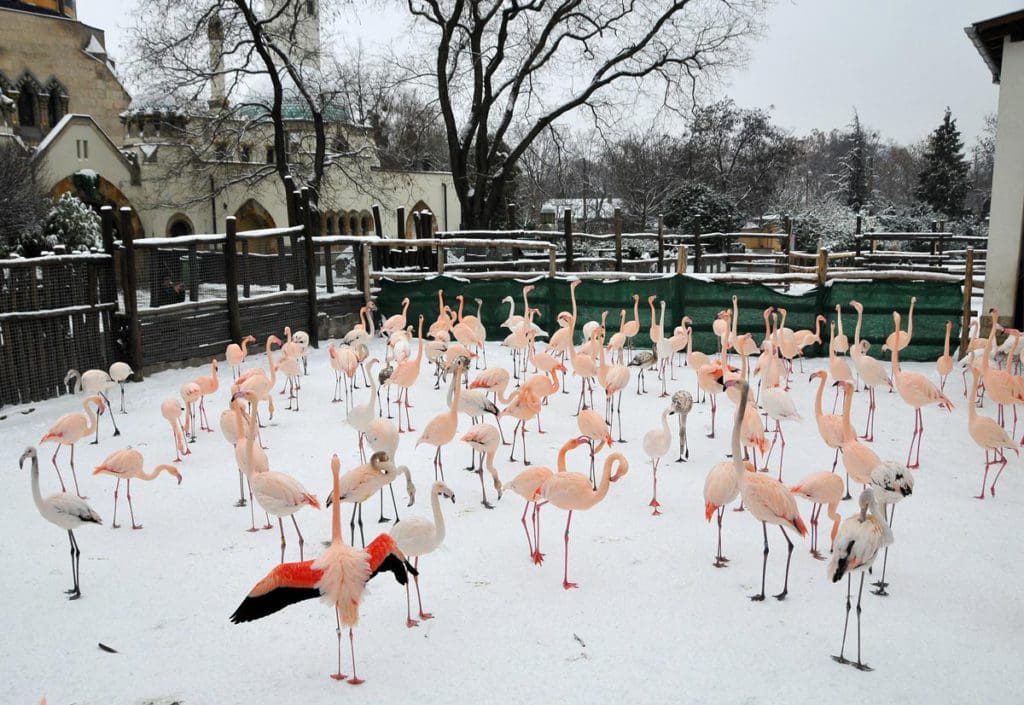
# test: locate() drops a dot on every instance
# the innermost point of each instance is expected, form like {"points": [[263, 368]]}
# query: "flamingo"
{"points": [[338, 577], [840, 342], [614, 378], [527, 484], [524, 405], [830, 427], [493, 380], [664, 350], [823, 490], [120, 372], [255, 380], [584, 366], [361, 482], [404, 377], [235, 355], [765, 498], [360, 417], [695, 359], [382, 435], [96, 383], [344, 362], [441, 429], [655, 331], [1001, 385], [721, 488], [944, 365], [233, 423], [484, 439], [656, 444], [899, 340], [126, 465], [71, 428], [632, 327], [891, 482], [276, 492], [778, 406], [171, 410], [988, 434], [572, 491], [742, 344], [710, 378], [63, 510], [682, 403], [917, 391], [858, 459], [871, 372], [645, 360], [396, 322], [208, 384], [417, 536], [190, 393], [597, 432], [857, 544], [838, 368], [617, 343]]}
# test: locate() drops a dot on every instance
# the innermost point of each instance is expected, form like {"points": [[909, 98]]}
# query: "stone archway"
{"points": [[253, 216], [95, 191], [179, 225], [410, 220]]}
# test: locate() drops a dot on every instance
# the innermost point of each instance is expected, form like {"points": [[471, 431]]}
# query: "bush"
{"points": [[696, 208], [72, 223], [22, 204]]}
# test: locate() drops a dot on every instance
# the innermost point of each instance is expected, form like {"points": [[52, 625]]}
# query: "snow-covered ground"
{"points": [[652, 619]]}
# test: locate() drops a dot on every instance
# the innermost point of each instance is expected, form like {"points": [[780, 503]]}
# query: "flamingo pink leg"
{"points": [[565, 574], [419, 599]]}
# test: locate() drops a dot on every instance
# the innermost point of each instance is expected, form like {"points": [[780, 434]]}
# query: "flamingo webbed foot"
{"points": [[115, 526], [136, 526], [241, 503], [75, 594], [781, 596], [426, 615], [339, 676], [757, 598], [568, 586], [355, 681], [412, 623]]}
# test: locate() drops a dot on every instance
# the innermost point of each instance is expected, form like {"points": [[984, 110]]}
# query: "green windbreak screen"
{"points": [[937, 302]]}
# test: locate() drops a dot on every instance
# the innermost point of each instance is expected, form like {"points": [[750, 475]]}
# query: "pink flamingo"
{"points": [[614, 378], [821, 489], [871, 371], [440, 430], [208, 384], [858, 459], [572, 491], [944, 365], [338, 577], [1000, 384], [190, 393], [830, 427], [236, 353], [485, 439], [171, 410], [71, 428], [396, 322], [527, 484], [631, 328], [838, 368], [597, 432], [917, 391], [765, 498], [900, 340], [988, 434], [584, 366], [126, 465], [721, 488], [404, 377], [525, 404]]}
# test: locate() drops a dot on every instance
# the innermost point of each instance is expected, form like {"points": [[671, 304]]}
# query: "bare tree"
{"points": [[507, 70], [235, 71], [645, 170], [23, 204]]}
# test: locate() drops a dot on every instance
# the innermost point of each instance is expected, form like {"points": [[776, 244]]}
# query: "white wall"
{"points": [[1004, 242]]}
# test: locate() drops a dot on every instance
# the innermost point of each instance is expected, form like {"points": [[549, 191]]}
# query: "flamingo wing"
{"points": [[285, 585]]}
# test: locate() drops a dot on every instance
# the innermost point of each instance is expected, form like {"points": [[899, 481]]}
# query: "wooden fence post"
{"points": [[661, 243], [193, 273], [570, 256], [511, 224], [400, 216], [290, 201], [787, 223], [245, 269], [378, 223], [618, 239], [681, 260], [108, 287], [131, 290], [441, 256], [857, 236], [822, 265], [328, 268], [697, 254], [297, 270], [312, 222], [965, 324], [231, 277], [367, 274]]}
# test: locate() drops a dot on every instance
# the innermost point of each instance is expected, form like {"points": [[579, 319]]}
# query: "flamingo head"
{"points": [[274, 340], [820, 374], [459, 298], [528, 288], [30, 452], [651, 298], [506, 300], [443, 490], [857, 306], [561, 368], [575, 283], [249, 339]]}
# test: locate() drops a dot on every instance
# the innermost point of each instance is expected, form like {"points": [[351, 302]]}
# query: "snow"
{"points": [[651, 618]]}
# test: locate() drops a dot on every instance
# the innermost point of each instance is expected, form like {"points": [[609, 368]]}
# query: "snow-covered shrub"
{"points": [[72, 223]]}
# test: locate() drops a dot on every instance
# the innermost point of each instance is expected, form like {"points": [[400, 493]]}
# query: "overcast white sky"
{"points": [[899, 62]]}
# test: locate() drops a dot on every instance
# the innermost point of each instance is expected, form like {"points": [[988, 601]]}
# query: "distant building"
{"points": [[999, 42], [61, 98], [589, 214]]}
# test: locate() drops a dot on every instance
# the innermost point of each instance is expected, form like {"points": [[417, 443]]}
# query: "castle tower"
{"points": [[297, 29]]}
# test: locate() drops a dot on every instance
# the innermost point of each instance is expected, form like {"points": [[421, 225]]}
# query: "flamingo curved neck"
{"points": [[335, 504], [741, 410], [37, 496], [817, 398], [606, 475], [90, 428], [435, 502]]}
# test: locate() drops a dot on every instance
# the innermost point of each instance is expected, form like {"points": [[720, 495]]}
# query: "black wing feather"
{"points": [[253, 608]]}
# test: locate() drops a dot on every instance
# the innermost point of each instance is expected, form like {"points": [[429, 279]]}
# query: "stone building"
{"points": [[61, 98]]}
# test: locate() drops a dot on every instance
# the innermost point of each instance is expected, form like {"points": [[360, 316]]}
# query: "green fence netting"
{"points": [[937, 302]]}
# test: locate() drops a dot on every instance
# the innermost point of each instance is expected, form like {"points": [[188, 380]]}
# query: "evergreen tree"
{"points": [[855, 178], [943, 182]]}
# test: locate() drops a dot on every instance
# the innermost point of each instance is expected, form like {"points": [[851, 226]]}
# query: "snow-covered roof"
{"points": [[583, 207], [94, 47]]}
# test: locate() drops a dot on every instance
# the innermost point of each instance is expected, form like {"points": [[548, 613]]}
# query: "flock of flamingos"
{"points": [[454, 345]]}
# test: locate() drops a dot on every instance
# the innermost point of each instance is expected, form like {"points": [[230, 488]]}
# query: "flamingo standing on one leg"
{"points": [[917, 391], [656, 444], [208, 384], [765, 498], [891, 482], [71, 428], [821, 489], [338, 577], [417, 536], [721, 488], [682, 403], [120, 372], [235, 355], [126, 465], [171, 410], [572, 491], [857, 544], [63, 510]]}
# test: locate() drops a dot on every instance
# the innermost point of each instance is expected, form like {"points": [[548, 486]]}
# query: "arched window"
{"points": [[55, 107], [179, 226], [28, 113]]}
